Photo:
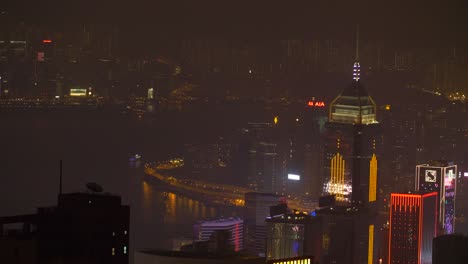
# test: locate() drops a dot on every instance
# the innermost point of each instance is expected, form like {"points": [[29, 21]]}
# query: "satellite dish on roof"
{"points": [[94, 187]]}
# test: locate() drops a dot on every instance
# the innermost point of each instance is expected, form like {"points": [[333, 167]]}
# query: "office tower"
{"points": [[450, 249], [257, 209], [315, 117], [293, 235], [440, 177], [204, 230], [266, 171], [345, 234], [413, 226], [352, 143], [83, 228]]}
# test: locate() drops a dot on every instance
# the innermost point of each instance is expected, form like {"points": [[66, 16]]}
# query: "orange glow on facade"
{"points": [[373, 179], [337, 181], [46, 41], [409, 209], [370, 249]]}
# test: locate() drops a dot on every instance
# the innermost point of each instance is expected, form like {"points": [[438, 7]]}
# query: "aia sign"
{"points": [[316, 104]]}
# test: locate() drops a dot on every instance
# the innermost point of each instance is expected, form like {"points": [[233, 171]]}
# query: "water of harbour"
{"points": [[95, 147]]}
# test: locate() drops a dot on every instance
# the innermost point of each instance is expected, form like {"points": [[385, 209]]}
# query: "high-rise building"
{"points": [[413, 226], [440, 177], [315, 117], [266, 171], [352, 143], [257, 206], [293, 235], [204, 230], [83, 228]]}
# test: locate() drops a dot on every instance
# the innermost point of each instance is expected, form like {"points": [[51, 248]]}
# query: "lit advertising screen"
{"points": [[449, 185], [430, 175], [294, 177], [77, 92], [430, 179]]}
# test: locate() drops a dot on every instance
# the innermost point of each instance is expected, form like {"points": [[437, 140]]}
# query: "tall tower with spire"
{"points": [[352, 149], [353, 134]]}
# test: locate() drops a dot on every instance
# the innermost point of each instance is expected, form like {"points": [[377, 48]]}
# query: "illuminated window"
{"points": [[113, 251], [125, 250], [125, 232], [113, 233]]}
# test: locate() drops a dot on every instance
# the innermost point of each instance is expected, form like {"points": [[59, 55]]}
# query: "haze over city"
{"points": [[232, 132]]}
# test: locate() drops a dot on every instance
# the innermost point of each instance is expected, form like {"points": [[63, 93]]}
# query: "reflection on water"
{"points": [[163, 216], [170, 205], [180, 208], [157, 215]]}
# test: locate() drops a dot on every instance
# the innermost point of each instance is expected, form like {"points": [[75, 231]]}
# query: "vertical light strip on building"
{"points": [[370, 252], [373, 179], [337, 176]]}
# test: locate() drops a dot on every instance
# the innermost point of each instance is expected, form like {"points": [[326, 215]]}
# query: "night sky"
{"points": [[411, 22]]}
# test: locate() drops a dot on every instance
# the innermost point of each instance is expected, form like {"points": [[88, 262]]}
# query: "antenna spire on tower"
{"points": [[357, 66], [357, 42]]}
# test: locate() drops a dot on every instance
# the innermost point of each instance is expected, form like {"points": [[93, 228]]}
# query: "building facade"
{"points": [[257, 206], [413, 226], [440, 177], [204, 230]]}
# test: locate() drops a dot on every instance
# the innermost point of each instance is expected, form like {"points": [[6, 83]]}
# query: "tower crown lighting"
{"points": [[356, 71]]}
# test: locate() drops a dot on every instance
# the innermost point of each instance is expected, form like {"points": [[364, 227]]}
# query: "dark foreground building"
{"points": [[450, 249], [82, 228]]}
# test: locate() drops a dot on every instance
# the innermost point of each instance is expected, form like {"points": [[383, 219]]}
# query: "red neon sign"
{"points": [[46, 41], [316, 104]]}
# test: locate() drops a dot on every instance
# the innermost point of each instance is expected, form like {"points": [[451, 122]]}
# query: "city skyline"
{"points": [[323, 133]]}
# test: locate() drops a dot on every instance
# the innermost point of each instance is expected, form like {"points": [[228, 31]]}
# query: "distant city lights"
{"points": [[465, 174], [338, 188]]}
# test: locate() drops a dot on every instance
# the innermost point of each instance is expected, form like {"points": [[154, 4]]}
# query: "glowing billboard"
{"points": [[78, 92], [316, 104], [294, 177], [430, 175]]}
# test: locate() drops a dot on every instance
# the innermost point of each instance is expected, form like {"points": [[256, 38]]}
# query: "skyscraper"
{"points": [[293, 235], [351, 149], [352, 142], [257, 206], [440, 177], [413, 226]]}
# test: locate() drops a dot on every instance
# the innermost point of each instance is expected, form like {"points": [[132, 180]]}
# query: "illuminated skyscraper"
{"points": [[413, 226], [353, 139], [352, 150], [440, 177]]}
